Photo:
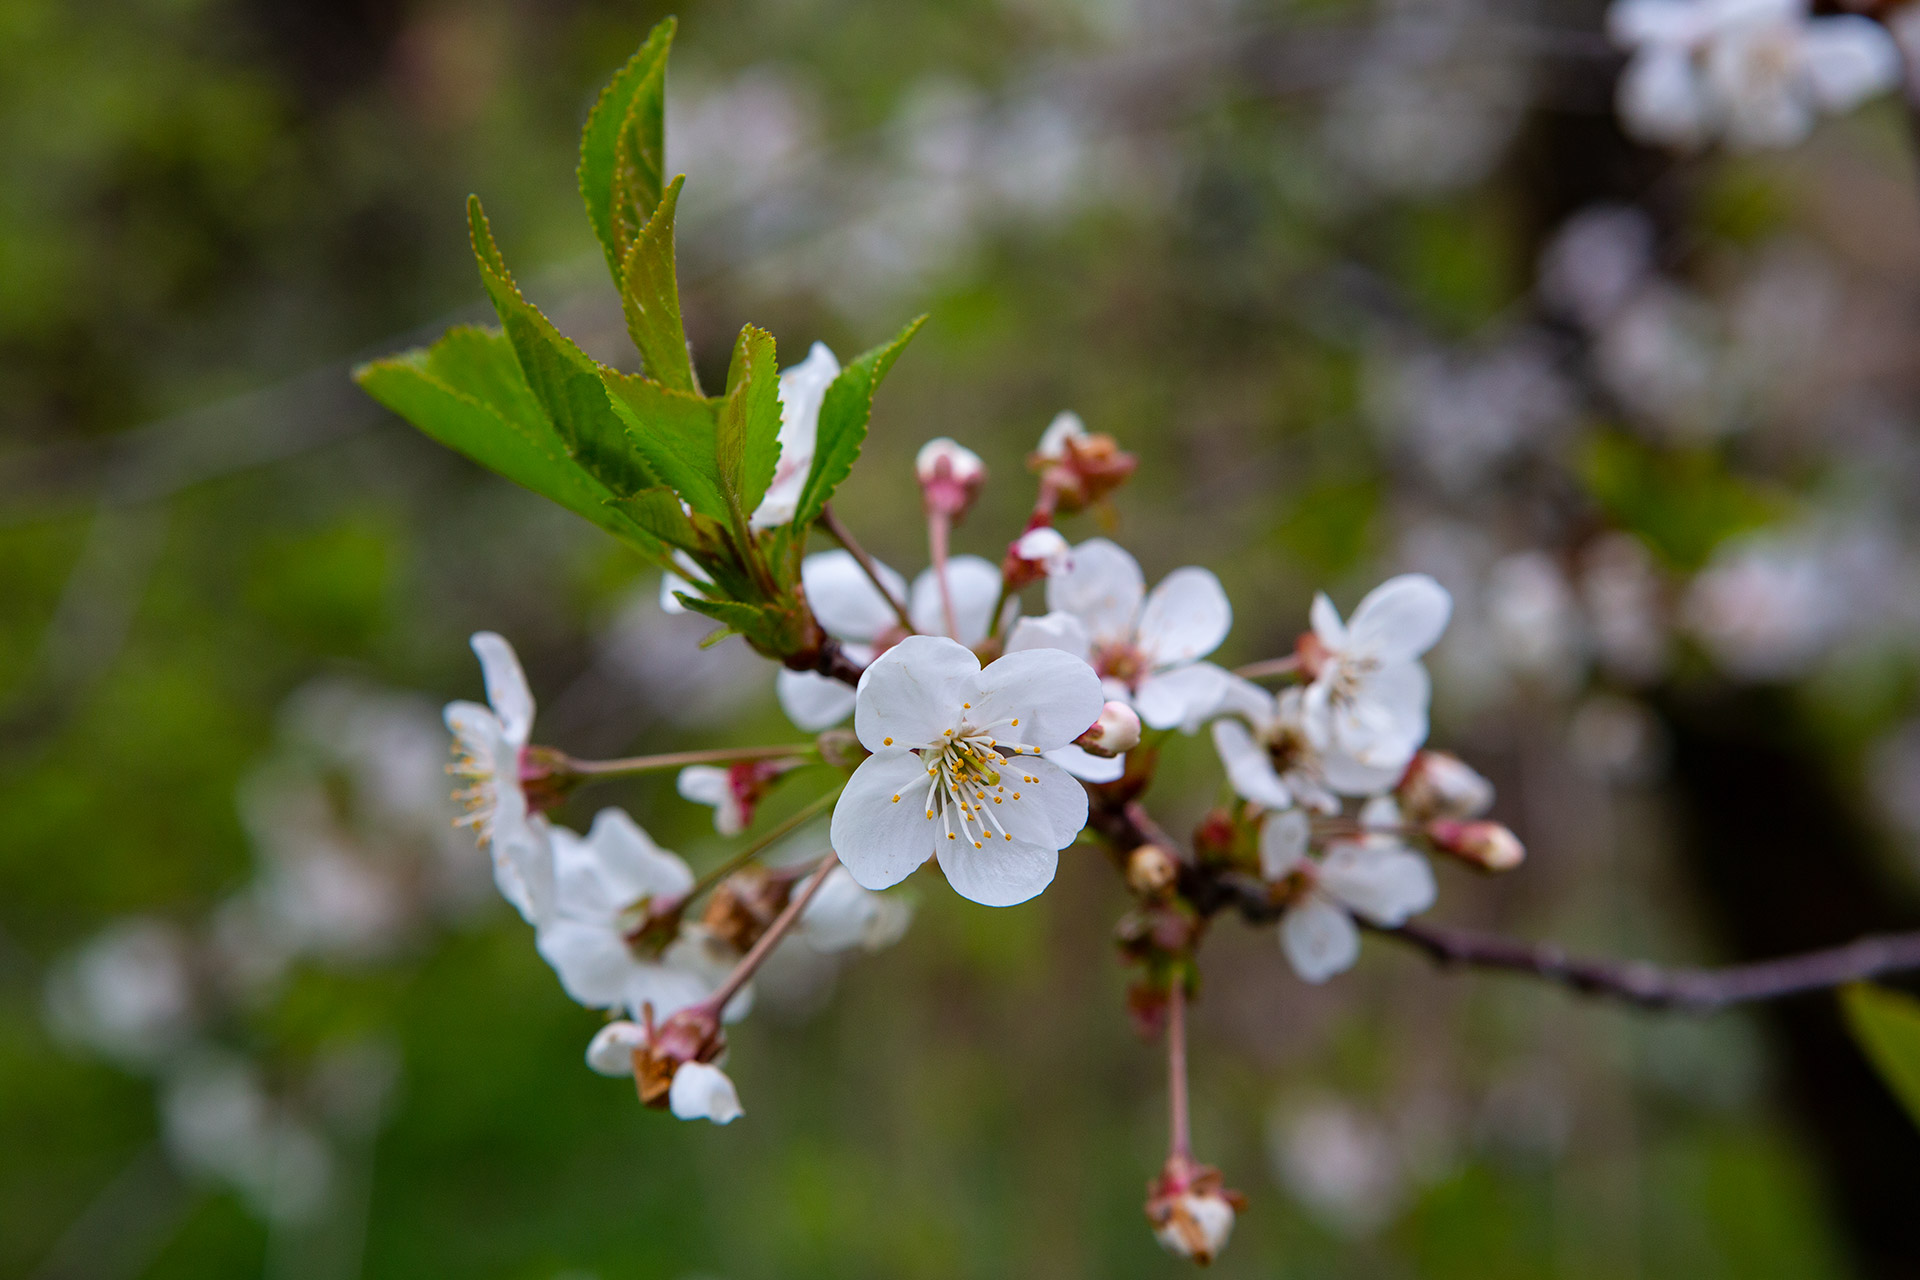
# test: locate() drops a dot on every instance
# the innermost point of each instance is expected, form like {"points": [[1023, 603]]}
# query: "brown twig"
{"points": [[845, 538]]}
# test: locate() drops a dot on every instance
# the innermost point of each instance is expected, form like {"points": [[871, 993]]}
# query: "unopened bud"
{"points": [[1080, 467], [734, 791], [1487, 845], [1038, 553], [1117, 730], [1151, 871], [1439, 784], [1191, 1212], [950, 474]]}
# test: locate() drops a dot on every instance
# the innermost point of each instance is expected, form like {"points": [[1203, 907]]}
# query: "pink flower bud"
{"points": [[1440, 785], [1117, 730], [1487, 845], [950, 474]]}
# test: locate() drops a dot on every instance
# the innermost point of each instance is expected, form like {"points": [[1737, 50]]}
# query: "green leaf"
{"points": [[659, 513], [564, 379], [650, 296], [1887, 1026], [674, 432], [466, 391], [756, 622], [843, 423], [622, 148], [748, 444]]}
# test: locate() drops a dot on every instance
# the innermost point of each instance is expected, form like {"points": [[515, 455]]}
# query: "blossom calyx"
{"points": [[950, 474], [1490, 846], [692, 1035], [734, 791], [1116, 731], [1192, 1213], [1079, 467], [1439, 784], [547, 777], [744, 905]]}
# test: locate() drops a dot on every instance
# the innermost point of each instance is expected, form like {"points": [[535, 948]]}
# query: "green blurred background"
{"points": [[1186, 221]]}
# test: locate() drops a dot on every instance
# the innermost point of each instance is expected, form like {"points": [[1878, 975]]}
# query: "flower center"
{"points": [[1120, 661], [973, 777]]}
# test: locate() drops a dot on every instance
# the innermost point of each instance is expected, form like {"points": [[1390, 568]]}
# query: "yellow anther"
{"points": [[896, 799], [976, 844], [1016, 722], [886, 742]]}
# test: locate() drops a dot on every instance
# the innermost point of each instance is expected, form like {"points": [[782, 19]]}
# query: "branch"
{"points": [[843, 536], [1125, 825], [832, 662], [1652, 987]]}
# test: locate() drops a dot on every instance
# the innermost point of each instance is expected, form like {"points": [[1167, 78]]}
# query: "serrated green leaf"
{"points": [[747, 446], [466, 391], [564, 379], [623, 145], [756, 622], [650, 296], [1887, 1026], [844, 415], [674, 431]]}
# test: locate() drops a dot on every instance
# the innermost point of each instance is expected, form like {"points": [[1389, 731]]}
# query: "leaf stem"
{"points": [[844, 536]]}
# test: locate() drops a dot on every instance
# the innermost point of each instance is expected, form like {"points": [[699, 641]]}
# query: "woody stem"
{"points": [[843, 536]]}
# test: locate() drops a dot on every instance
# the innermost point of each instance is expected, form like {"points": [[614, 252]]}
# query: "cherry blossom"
{"points": [[956, 771], [853, 611], [1367, 705], [1147, 648], [1373, 876], [489, 744], [1271, 760], [602, 886], [842, 916], [1756, 72]]}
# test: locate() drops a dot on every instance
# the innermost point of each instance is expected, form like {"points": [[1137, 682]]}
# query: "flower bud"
{"points": [[1487, 845], [1081, 468], [1038, 553], [1191, 1212], [734, 791], [1151, 871], [950, 474], [743, 905], [1117, 730], [1439, 784]]}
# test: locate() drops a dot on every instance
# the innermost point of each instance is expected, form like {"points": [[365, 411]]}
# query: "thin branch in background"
{"points": [[843, 536]]}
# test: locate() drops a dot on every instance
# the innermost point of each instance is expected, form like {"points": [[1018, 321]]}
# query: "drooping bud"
{"points": [[1489, 846], [950, 474], [691, 1035], [1192, 1214], [1439, 784], [1079, 467], [1116, 731], [743, 905], [1151, 871], [734, 791], [1038, 553]]}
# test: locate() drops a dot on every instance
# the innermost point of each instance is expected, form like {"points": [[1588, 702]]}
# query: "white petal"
{"points": [[522, 855], [1249, 767], [912, 694], [844, 598], [703, 1092], [802, 389], [812, 701], [837, 917], [1086, 766], [975, 586], [705, 784], [1669, 22], [1326, 623], [630, 864], [1055, 630], [592, 960], [1400, 619], [1381, 881], [1002, 874], [611, 1051], [1283, 842], [1349, 777], [1185, 618], [1066, 425], [1247, 700], [1055, 697], [507, 689], [879, 841], [666, 989], [1182, 698], [1103, 588], [1382, 721], [1319, 939], [1848, 60], [1051, 810], [1661, 100]]}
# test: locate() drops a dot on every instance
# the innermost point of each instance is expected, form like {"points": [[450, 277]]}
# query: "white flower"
{"points": [[852, 611], [127, 993], [1197, 1225], [1367, 704], [803, 388], [843, 916], [1374, 876], [1066, 425], [955, 771], [1756, 72], [1146, 648], [488, 744], [602, 883], [701, 1091], [1271, 760]]}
